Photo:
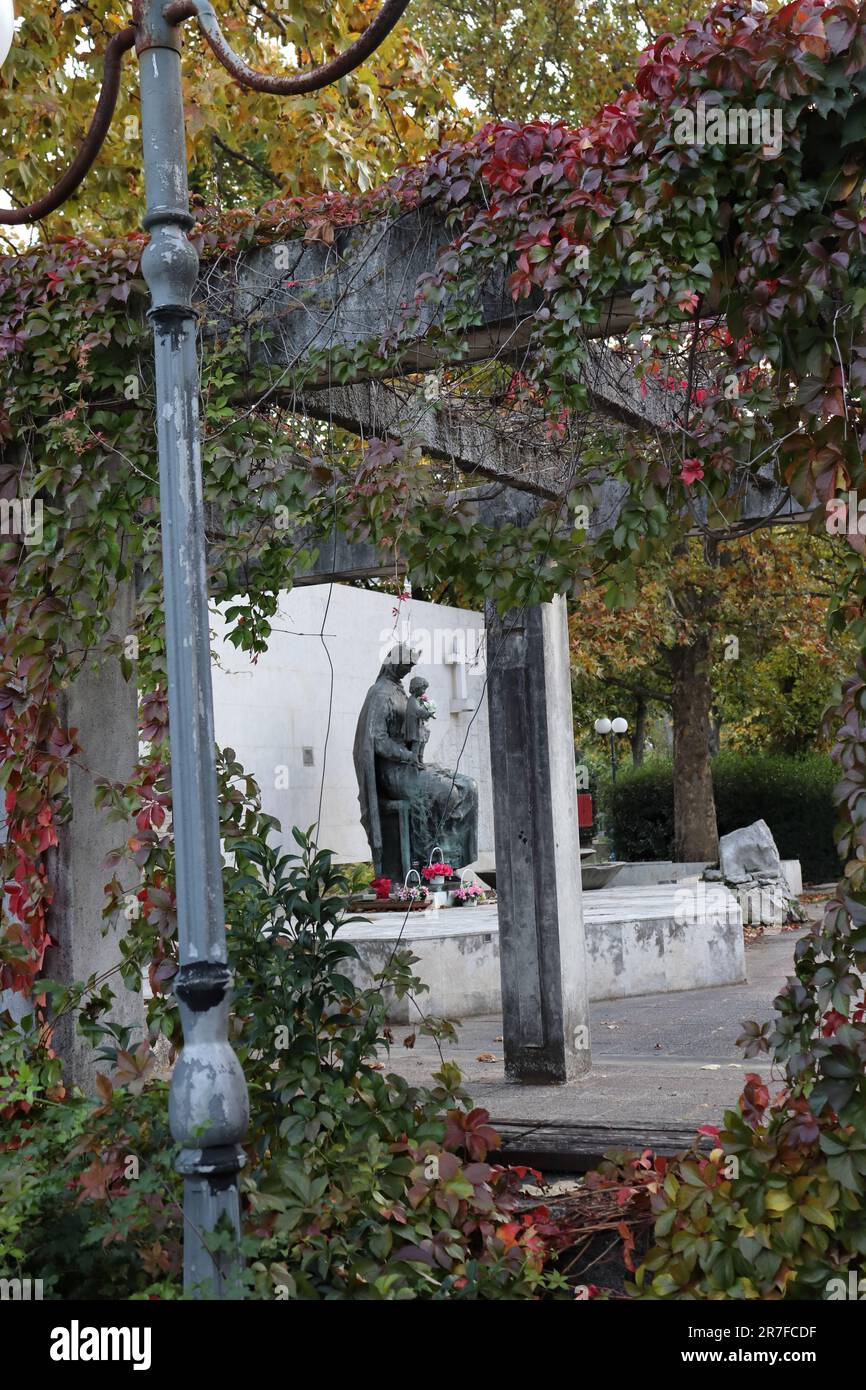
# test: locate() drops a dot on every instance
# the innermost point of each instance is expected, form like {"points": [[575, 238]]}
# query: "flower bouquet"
{"points": [[468, 896], [412, 893], [436, 874]]}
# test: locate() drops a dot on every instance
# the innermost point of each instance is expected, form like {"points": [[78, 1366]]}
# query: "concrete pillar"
{"points": [[103, 707], [544, 992]]}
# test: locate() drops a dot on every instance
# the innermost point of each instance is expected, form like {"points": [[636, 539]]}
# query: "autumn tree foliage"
{"points": [[546, 59], [243, 147], [733, 641]]}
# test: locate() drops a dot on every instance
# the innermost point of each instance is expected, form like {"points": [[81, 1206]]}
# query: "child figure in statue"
{"points": [[418, 711]]}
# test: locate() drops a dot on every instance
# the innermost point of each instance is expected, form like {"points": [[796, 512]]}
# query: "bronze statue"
{"points": [[407, 806], [419, 712]]}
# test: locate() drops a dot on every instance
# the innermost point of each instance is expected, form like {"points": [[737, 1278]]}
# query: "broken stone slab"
{"points": [[750, 864], [747, 852], [767, 906]]}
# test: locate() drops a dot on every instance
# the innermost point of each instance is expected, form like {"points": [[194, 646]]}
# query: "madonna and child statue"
{"points": [[408, 806]]}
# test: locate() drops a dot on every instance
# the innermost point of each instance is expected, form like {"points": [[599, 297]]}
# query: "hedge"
{"points": [[793, 795]]}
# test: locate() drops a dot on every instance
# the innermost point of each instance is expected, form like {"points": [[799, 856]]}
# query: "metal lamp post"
{"points": [[208, 1105], [612, 727]]}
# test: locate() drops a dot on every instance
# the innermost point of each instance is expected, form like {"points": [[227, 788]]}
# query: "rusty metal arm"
{"points": [[93, 140], [309, 81]]}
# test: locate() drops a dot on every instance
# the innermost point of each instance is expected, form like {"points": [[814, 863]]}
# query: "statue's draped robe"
{"points": [[443, 806]]}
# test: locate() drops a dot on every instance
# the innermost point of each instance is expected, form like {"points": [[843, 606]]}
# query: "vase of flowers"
{"points": [[436, 872], [412, 892], [415, 893], [467, 895]]}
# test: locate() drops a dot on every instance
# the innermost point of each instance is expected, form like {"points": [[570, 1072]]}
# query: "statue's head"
{"points": [[399, 661], [418, 685]]}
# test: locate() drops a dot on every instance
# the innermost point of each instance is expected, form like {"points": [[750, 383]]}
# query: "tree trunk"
{"points": [[696, 835], [638, 736]]}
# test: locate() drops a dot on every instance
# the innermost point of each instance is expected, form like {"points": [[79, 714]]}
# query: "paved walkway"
{"points": [[658, 1059]]}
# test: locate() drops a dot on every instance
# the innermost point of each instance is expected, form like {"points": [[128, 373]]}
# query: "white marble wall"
{"points": [[273, 710]]}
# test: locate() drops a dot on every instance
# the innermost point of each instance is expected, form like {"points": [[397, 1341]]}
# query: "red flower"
{"points": [[381, 886], [437, 871], [692, 471]]}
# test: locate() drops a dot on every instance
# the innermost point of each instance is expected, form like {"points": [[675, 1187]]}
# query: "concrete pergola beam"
{"points": [[469, 437], [316, 296], [480, 438], [356, 288]]}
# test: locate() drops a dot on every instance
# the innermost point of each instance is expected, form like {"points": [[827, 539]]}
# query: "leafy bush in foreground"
{"points": [[358, 1184]]}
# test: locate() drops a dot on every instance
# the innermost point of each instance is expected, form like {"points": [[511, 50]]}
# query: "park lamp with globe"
{"points": [[208, 1105], [612, 727]]}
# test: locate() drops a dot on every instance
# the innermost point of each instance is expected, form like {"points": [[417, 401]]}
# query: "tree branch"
{"points": [[261, 169]]}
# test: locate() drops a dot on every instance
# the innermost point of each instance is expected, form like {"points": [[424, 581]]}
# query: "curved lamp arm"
{"points": [[202, 10], [309, 81], [119, 44]]}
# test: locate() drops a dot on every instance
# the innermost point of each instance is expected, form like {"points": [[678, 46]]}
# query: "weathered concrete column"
{"points": [[542, 956], [103, 707]]}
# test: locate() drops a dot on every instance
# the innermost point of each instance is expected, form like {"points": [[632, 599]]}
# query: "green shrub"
{"points": [[358, 1185], [793, 795], [640, 811], [775, 1210]]}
